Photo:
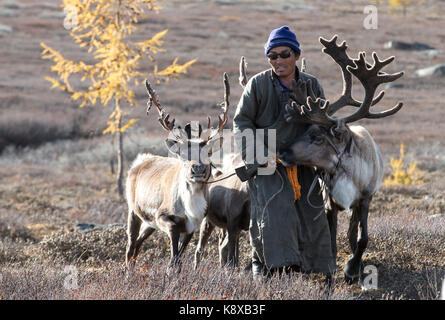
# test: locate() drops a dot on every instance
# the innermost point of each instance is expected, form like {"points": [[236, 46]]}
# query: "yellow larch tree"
{"points": [[401, 174], [396, 4], [103, 27]]}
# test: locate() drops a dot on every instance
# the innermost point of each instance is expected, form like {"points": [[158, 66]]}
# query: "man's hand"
{"points": [[270, 163], [268, 167]]}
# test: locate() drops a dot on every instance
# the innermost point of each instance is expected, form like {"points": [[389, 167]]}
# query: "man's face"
{"points": [[283, 67]]}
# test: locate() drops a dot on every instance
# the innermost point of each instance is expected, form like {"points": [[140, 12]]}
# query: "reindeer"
{"points": [[348, 156], [442, 292], [229, 205], [229, 210], [171, 194]]}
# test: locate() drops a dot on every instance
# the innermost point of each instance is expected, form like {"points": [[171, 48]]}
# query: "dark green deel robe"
{"points": [[283, 231]]}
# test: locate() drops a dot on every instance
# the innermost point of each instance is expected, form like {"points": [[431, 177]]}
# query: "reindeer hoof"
{"points": [[349, 279], [130, 264], [353, 272], [174, 267]]}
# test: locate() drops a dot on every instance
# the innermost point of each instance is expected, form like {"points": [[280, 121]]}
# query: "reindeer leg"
{"points": [[172, 226], [184, 242], [232, 233], [237, 250], [204, 233], [133, 226], [353, 267], [363, 241], [144, 233], [332, 221], [231, 254], [174, 244], [331, 215], [353, 229], [350, 275], [223, 247]]}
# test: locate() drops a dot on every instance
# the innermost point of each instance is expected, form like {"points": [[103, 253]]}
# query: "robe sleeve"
{"points": [[244, 123]]}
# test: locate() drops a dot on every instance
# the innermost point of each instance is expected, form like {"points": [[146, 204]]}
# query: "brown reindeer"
{"points": [[229, 210], [171, 194], [229, 205], [348, 156]]}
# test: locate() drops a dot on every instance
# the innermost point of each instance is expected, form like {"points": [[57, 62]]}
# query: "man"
{"points": [[286, 232]]}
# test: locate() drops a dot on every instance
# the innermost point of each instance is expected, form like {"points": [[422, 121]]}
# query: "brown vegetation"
{"points": [[46, 189]]}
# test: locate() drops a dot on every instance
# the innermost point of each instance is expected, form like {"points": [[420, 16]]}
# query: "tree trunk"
{"points": [[112, 141], [120, 162]]}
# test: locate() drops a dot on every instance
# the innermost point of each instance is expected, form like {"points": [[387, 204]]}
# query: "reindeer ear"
{"points": [[173, 146], [338, 130], [215, 145]]}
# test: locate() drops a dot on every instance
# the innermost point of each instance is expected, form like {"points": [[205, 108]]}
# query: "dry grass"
{"points": [[155, 282], [39, 239], [49, 182]]}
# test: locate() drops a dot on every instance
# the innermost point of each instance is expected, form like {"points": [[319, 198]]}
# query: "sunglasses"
{"points": [[283, 54]]}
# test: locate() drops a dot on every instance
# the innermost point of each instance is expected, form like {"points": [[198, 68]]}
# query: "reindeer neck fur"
{"points": [[193, 202], [359, 174]]}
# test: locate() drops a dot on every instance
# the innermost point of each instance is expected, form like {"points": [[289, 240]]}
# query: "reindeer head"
{"points": [[192, 145], [329, 137]]}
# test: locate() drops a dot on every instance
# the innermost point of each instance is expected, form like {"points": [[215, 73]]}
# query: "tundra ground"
{"points": [[55, 166]]}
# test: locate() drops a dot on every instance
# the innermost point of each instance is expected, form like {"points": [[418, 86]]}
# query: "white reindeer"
{"points": [[171, 194]]}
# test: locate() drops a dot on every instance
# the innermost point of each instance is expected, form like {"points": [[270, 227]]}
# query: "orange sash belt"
{"points": [[293, 178]]}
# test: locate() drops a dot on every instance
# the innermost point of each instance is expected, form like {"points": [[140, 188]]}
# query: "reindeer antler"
{"points": [[313, 111], [370, 77], [222, 118], [303, 65], [163, 116], [180, 134], [339, 55], [243, 72]]}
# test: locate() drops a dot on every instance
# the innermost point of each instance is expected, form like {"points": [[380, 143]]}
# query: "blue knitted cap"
{"points": [[282, 37]]}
